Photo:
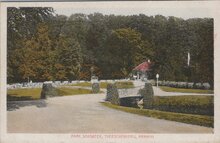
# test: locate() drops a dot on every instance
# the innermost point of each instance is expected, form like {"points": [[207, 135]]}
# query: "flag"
{"points": [[188, 61]]}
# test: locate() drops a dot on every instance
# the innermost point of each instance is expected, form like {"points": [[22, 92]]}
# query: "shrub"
{"points": [[112, 94], [95, 88], [198, 85], [148, 95], [206, 86], [190, 85], [48, 91]]}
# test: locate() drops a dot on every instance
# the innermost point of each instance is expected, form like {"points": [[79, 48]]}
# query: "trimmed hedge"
{"points": [[48, 91], [95, 88], [112, 94], [184, 84], [148, 96], [189, 104], [201, 105]]}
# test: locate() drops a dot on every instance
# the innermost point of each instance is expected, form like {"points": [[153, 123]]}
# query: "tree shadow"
{"points": [[15, 105], [13, 97]]}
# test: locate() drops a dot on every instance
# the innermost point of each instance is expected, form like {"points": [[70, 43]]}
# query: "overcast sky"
{"points": [[130, 8]]}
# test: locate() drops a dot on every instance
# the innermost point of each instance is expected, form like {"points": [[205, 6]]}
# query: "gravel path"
{"points": [[84, 114]]}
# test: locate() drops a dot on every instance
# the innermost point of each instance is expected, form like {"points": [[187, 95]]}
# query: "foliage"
{"points": [[128, 47], [48, 91], [201, 120], [148, 95], [69, 56], [22, 24], [36, 57], [111, 45], [95, 88], [112, 94]]}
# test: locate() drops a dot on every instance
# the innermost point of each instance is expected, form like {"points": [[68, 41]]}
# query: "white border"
{"points": [[61, 138]]}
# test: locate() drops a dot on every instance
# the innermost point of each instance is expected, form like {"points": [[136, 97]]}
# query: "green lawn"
{"points": [[202, 120], [34, 93], [63, 91], [123, 84], [184, 90], [127, 84]]}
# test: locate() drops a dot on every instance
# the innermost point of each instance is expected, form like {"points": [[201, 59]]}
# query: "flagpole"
{"points": [[188, 60]]}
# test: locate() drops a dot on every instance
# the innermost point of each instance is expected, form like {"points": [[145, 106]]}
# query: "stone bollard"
{"points": [[112, 94], [48, 91], [95, 88], [148, 96]]}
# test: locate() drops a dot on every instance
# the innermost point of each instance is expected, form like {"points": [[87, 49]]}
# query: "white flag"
{"points": [[188, 59]]}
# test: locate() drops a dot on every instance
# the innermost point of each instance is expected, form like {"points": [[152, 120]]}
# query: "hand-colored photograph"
{"points": [[108, 71], [71, 70]]}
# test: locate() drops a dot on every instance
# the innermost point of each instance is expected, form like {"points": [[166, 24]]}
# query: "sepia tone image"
{"points": [[113, 70]]}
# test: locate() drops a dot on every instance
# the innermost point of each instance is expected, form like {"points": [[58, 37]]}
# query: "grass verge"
{"points": [[124, 84], [201, 120], [23, 93], [63, 91], [184, 90], [35, 93]]}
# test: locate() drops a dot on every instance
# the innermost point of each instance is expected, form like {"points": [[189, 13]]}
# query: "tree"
{"points": [[65, 48], [36, 58], [70, 57], [22, 24], [128, 50]]}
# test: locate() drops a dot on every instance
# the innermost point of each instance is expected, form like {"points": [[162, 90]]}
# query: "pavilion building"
{"points": [[142, 71]]}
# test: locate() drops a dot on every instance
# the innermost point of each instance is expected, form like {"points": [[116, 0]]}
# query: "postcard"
{"points": [[110, 72]]}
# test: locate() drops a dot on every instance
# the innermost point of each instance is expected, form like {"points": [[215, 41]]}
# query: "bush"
{"points": [[48, 91], [112, 94], [202, 105], [198, 85], [190, 85], [148, 95], [206, 86], [95, 88]]}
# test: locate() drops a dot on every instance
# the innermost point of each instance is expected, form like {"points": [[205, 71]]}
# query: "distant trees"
{"points": [[128, 50], [56, 47]]}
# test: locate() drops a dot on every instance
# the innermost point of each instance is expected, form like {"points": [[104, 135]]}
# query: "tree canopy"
{"points": [[44, 46]]}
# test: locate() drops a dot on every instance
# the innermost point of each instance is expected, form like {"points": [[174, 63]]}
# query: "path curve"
{"points": [[85, 114]]}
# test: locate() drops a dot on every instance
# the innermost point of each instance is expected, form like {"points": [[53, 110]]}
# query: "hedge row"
{"points": [[190, 85], [201, 105], [198, 105]]}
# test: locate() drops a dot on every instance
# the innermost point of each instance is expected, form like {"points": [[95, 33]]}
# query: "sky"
{"points": [[181, 10]]}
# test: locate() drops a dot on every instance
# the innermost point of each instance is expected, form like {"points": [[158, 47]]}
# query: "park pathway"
{"points": [[85, 114]]}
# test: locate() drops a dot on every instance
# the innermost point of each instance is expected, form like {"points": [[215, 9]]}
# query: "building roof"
{"points": [[145, 66]]}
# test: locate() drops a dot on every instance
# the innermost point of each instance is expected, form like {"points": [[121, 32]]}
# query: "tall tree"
{"points": [[22, 24]]}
